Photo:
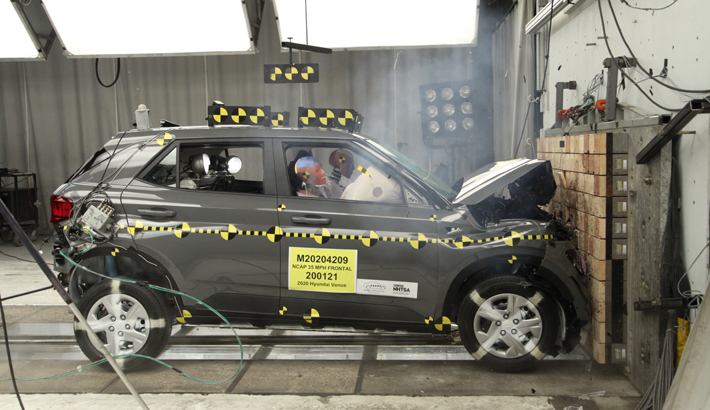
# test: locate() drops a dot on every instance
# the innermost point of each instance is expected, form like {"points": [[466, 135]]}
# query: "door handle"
{"points": [[157, 213], [310, 220]]}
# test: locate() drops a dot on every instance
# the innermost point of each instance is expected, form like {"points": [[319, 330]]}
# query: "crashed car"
{"points": [[317, 228]]}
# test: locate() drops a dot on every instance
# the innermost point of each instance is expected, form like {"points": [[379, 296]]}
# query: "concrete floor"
{"points": [[289, 384]]}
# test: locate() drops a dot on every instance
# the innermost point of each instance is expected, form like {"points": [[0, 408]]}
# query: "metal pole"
{"points": [[10, 219]]}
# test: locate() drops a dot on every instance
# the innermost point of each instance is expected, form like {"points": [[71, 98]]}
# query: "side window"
{"points": [[414, 199], [337, 171], [212, 167], [165, 172]]}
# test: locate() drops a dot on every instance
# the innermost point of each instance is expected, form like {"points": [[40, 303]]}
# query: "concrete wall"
{"points": [[677, 33]]}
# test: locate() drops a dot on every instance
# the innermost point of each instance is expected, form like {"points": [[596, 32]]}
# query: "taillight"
{"points": [[61, 208]]}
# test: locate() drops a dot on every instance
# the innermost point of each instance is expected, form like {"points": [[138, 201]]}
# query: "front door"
{"points": [[358, 243]]}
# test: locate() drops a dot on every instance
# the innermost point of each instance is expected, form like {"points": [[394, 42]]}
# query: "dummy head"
{"points": [[310, 171], [343, 159]]}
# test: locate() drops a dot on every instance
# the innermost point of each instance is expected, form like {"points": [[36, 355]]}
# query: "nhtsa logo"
{"points": [[398, 288], [374, 287]]}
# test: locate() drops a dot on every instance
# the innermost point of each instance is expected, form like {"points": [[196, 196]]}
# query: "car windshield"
{"points": [[435, 183]]}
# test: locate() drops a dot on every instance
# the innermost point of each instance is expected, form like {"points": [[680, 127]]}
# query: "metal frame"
{"points": [[671, 130], [613, 66], [606, 126], [561, 86], [42, 50]]}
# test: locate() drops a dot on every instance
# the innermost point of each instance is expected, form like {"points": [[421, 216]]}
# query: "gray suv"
{"points": [[317, 228]]}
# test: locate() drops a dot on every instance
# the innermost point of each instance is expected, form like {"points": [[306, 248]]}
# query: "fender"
{"points": [[564, 276], [495, 256]]}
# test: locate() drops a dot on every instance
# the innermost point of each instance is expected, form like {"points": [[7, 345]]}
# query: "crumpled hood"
{"points": [[535, 175]]}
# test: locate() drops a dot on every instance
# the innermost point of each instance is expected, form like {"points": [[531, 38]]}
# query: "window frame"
{"points": [[269, 178], [284, 143]]}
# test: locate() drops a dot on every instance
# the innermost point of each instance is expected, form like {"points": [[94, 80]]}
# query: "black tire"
{"points": [[17, 241], [508, 340], [8, 235], [33, 235], [121, 335]]}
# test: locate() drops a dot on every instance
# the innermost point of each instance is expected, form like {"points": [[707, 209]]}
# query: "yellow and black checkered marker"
{"points": [[164, 138], [229, 232], [512, 260], [280, 119], [115, 252], [281, 207], [419, 242], [370, 239], [338, 118], [309, 315], [238, 115], [306, 117], [346, 118], [276, 72], [307, 72], [323, 235], [433, 217], [282, 310], [326, 117], [291, 73], [185, 315], [442, 324]]}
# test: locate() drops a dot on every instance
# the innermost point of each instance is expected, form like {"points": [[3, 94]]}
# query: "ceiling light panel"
{"points": [[15, 42], [368, 24], [126, 28]]}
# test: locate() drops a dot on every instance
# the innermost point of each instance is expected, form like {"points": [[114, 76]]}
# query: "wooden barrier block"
{"points": [[595, 268], [583, 163], [601, 352], [598, 185], [601, 292], [590, 204], [600, 311], [574, 144], [601, 332], [591, 244]]}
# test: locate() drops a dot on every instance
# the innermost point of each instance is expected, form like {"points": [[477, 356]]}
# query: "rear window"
{"points": [[95, 168]]}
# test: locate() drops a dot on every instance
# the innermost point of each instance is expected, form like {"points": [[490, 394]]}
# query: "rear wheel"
{"points": [[127, 318], [508, 324]]}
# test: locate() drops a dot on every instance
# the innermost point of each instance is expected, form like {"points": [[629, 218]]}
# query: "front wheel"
{"points": [[507, 323], [127, 318]]}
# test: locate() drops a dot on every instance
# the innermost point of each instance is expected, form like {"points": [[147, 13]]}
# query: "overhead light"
{"points": [[138, 28], [542, 18], [17, 43], [341, 24]]}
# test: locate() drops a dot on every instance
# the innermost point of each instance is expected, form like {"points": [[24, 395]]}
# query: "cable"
{"points": [[9, 356], [611, 54], [544, 77], [648, 9], [15, 257], [118, 73], [174, 292], [638, 63], [26, 293]]}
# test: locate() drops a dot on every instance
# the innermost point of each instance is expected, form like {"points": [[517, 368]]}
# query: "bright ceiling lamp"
{"points": [[144, 28], [17, 43], [368, 24]]}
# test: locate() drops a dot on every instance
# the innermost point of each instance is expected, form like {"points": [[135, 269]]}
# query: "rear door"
{"points": [[207, 221], [361, 247]]}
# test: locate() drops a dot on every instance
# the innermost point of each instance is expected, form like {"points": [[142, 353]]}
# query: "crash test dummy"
{"points": [[314, 182]]}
